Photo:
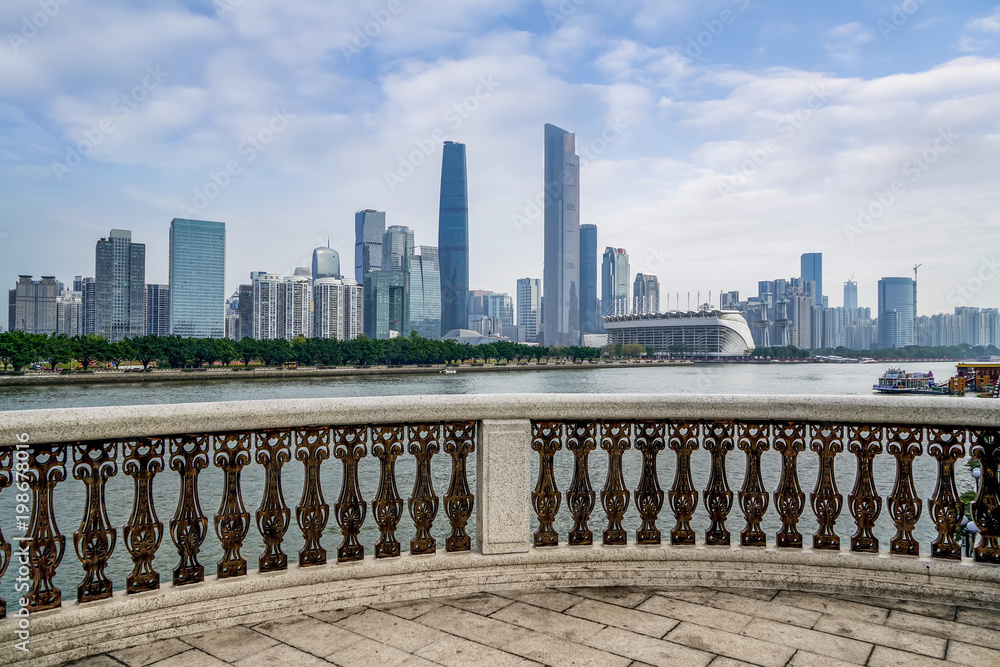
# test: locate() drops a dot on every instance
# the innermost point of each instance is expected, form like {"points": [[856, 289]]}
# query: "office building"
{"points": [[397, 245], [338, 309], [453, 239], [369, 228], [529, 309], [477, 310], [232, 316], [425, 292], [645, 294], [590, 316], [246, 312], [615, 282], [895, 312], [386, 304], [812, 271], [120, 286], [157, 310], [294, 305], [498, 313], [325, 263], [88, 296], [561, 273], [32, 305], [197, 278], [69, 313], [851, 296], [265, 304]]}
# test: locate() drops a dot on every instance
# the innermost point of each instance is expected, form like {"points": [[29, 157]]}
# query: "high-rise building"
{"points": [[895, 312], [646, 294], [386, 304], [34, 308], [197, 278], [338, 309], [453, 238], [232, 316], [369, 228], [157, 310], [246, 312], [88, 294], [529, 309], [397, 245], [326, 263], [69, 313], [850, 297], [590, 319], [812, 271], [561, 274], [294, 307], [120, 285], [614, 282], [265, 304], [425, 292]]}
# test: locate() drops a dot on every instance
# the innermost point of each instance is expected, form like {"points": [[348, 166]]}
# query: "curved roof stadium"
{"points": [[716, 333]]}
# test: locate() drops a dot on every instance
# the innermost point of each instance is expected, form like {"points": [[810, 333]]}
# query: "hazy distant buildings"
{"points": [[499, 313], [325, 263], [478, 310], [812, 271], [615, 282], [32, 305], [120, 285], [369, 228], [386, 304], [453, 239], [645, 294], [561, 274], [231, 316], [197, 278], [338, 309], [157, 310], [425, 292], [529, 309], [851, 296], [895, 312]]}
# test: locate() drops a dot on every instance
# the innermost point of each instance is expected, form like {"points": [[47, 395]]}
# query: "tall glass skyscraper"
{"points": [[453, 239], [325, 264], [197, 278], [529, 309], [812, 270], [614, 282], [369, 228], [590, 321], [851, 296], [397, 245], [425, 292], [120, 287], [895, 312], [561, 273]]}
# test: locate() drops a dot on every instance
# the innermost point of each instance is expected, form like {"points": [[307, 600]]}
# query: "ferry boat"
{"points": [[898, 381], [447, 371]]}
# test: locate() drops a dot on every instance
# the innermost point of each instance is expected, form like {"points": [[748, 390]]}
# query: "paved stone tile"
{"points": [[722, 661], [550, 622], [807, 659], [308, 634], [192, 658], [730, 645], [822, 643], [765, 594], [833, 605], [647, 649], [623, 597], [550, 650], [230, 644], [643, 623], [481, 603], [751, 606], [942, 611], [904, 640], [408, 610], [366, 653], [948, 629], [140, 656], [103, 660], [282, 654], [890, 657], [387, 629], [969, 654], [984, 618], [547, 598], [693, 613], [458, 652], [474, 627], [335, 615]]}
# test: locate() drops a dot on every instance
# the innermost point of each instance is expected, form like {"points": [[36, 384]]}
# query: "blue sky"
{"points": [[721, 139]]}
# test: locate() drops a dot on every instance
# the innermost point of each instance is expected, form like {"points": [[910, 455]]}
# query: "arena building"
{"points": [[710, 333]]}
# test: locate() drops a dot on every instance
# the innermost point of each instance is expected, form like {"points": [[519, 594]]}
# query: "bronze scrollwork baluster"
{"points": [[946, 445], [423, 503], [650, 440], [350, 446], [546, 439], [232, 522], [188, 457], [683, 497], [459, 442], [581, 439], [7, 475], [616, 438], [46, 545], [94, 463], [313, 512], [905, 443], [865, 442], [143, 533], [718, 496], [273, 517], [789, 500], [827, 502], [753, 440], [986, 506], [387, 507]]}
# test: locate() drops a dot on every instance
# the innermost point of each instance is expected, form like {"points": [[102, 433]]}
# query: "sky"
{"points": [[720, 139]]}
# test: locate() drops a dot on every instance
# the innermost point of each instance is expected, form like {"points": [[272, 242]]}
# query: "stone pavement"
{"points": [[607, 627]]}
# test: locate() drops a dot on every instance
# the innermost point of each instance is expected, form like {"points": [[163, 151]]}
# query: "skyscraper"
{"points": [[157, 310], [895, 312], [338, 309], [590, 321], [561, 274], [812, 271], [453, 239], [850, 297], [386, 304], [294, 307], [265, 304], [397, 245], [88, 291], [120, 286], [325, 264], [425, 292], [35, 310], [614, 282], [369, 228], [246, 312], [529, 308], [646, 294], [197, 278]]}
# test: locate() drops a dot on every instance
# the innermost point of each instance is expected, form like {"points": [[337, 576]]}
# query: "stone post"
{"points": [[503, 493]]}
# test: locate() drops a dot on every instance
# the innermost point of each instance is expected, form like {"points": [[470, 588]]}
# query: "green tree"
{"points": [[90, 349], [19, 349], [148, 349], [121, 351], [58, 349]]}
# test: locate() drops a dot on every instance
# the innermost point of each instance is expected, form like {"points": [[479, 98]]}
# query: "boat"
{"points": [[447, 371], [898, 381]]}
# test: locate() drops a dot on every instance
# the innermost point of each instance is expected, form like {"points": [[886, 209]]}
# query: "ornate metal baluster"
{"points": [[387, 507], [6, 477], [683, 497], [581, 439], [904, 503], [144, 530], [188, 456], [616, 438], [423, 503], [94, 463], [827, 441], [46, 545], [350, 446], [546, 439], [232, 452], [718, 496], [947, 445], [865, 442], [753, 440], [650, 440], [986, 506], [273, 516], [789, 500], [459, 442], [312, 513]]}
